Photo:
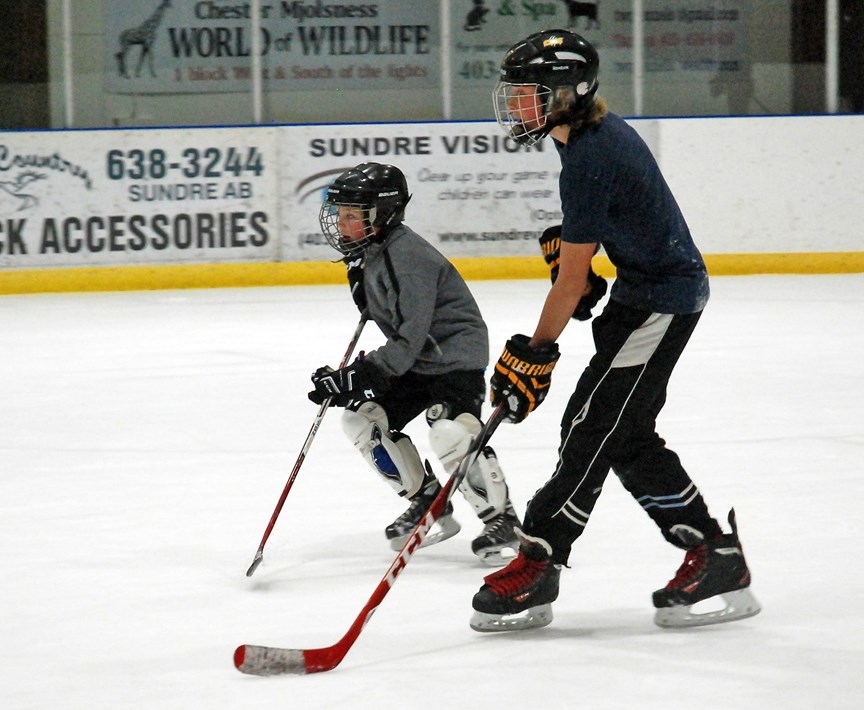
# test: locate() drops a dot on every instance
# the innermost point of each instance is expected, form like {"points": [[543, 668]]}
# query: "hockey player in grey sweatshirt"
{"points": [[434, 361]]}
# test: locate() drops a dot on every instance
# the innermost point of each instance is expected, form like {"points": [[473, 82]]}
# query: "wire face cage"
{"points": [[520, 110], [347, 226]]}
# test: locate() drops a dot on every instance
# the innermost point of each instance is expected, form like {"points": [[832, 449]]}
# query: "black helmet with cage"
{"points": [[562, 68], [378, 191]]}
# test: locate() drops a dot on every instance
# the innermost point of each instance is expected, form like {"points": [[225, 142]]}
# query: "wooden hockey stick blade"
{"points": [[264, 661], [268, 660]]}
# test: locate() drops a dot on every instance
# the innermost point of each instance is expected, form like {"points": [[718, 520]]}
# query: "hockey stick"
{"points": [[322, 410], [268, 660]]}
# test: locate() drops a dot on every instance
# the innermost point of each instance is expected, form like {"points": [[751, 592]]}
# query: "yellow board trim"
{"points": [[174, 276]]}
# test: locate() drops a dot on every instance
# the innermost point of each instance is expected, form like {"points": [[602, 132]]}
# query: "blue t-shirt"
{"points": [[612, 192]]}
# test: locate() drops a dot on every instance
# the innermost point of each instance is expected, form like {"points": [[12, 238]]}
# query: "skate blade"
{"points": [[499, 555], [446, 528], [533, 618], [740, 604]]}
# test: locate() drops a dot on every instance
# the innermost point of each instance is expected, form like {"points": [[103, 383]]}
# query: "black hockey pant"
{"points": [[610, 423]]}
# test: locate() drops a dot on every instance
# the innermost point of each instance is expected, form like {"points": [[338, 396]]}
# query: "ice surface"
{"points": [[146, 438]]}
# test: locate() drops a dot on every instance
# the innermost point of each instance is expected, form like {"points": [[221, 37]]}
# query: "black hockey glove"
{"points": [[522, 376], [354, 264], [358, 381], [595, 289]]}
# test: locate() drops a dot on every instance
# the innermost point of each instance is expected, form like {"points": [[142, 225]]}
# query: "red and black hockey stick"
{"points": [[322, 410], [267, 660]]}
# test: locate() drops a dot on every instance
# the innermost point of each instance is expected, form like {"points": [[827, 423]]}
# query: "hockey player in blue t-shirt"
{"points": [[613, 195]]}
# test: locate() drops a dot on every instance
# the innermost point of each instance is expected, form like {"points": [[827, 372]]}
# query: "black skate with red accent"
{"points": [[712, 570], [519, 596]]}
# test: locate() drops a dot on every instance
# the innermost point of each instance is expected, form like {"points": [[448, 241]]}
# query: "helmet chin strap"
{"points": [[374, 234]]}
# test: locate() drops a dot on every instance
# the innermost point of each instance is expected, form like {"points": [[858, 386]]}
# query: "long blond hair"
{"points": [[593, 114]]}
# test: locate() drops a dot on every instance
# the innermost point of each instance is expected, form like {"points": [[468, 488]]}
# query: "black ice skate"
{"points": [[519, 596], [498, 543], [712, 569], [446, 526]]}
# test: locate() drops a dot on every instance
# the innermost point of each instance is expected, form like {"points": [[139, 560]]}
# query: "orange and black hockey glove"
{"points": [[522, 376], [595, 289]]}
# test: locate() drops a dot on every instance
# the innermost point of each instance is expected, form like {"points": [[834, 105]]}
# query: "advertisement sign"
{"points": [[475, 192], [209, 195], [682, 37], [169, 46], [253, 194], [126, 197]]}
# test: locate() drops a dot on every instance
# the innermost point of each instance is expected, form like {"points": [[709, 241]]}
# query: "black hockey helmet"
{"points": [[379, 190], [563, 67]]}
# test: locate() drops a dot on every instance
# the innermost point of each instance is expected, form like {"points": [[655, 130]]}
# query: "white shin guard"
{"points": [[483, 486], [390, 454]]}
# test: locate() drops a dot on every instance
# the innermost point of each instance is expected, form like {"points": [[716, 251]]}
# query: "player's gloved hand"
{"points": [[595, 289], [550, 245], [358, 381], [522, 376], [354, 264]]}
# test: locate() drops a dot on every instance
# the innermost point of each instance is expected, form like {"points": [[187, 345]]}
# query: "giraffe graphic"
{"points": [[143, 35], [11, 196]]}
